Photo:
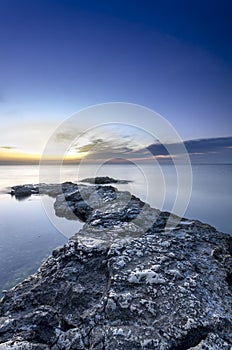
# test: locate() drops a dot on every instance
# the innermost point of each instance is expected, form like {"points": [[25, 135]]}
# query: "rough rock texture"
{"points": [[124, 282]]}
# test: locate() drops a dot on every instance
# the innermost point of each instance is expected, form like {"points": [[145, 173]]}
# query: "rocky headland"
{"points": [[132, 278]]}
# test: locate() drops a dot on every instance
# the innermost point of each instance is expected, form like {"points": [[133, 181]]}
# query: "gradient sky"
{"points": [[58, 56]]}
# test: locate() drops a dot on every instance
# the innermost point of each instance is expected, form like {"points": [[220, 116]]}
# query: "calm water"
{"points": [[28, 234]]}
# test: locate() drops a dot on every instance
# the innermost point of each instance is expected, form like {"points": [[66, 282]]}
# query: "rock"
{"points": [[212, 342], [125, 281], [18, 345], [52, 190], [99, 180], [24, 191]]}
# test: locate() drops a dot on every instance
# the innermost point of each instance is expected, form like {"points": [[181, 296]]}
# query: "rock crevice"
{"points": [[124, 281]]}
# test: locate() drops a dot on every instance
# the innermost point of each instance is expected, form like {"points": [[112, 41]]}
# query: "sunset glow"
{"points": [[139, 54]]}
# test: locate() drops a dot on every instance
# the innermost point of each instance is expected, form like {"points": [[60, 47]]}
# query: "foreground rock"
{"points": [[124, 281]]}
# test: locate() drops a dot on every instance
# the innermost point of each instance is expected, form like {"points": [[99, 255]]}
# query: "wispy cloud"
{"points": [[67, 135], [89, 146], [7, 147], [200, 150], [104, 137], [106, 147]]}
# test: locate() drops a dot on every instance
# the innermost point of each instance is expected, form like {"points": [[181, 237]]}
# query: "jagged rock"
{"points": [[212, 342], [18, 345], [125, 281]]}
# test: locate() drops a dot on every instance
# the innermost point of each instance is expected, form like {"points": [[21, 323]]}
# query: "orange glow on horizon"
{"points": [[14, 155], [17, 156]]}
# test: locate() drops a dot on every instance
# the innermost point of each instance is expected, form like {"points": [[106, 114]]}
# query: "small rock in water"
{"points": [[99, 180], [24, 191]]}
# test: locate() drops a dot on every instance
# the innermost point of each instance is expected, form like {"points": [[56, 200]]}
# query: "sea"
{"points": [[30, 230]]}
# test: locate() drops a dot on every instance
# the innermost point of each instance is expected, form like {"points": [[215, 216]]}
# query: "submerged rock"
{"points": [[124, 281]]}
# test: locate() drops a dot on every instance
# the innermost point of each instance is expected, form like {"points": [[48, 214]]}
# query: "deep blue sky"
{"points": [[58, 56]]}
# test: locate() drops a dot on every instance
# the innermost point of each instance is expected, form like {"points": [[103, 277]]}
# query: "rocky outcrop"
{"points": [[23, 191], [100, 180], [125, 281], [53, 190]]}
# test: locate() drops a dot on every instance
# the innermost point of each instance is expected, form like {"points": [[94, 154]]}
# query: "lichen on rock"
{"points": [[124, 281]]}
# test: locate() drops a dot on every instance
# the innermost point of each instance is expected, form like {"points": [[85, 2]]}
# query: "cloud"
{"points": [[208, 145], [199, 146], [104, 143], [89, 146], [68, 135], [216, 150], [209, 150], [8, 147], [158, 149], [99, 147]]}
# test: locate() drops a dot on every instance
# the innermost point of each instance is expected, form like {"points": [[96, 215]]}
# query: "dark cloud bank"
{"points": [[212, 150]]}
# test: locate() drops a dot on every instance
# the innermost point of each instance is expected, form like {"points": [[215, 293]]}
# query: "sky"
{"points": [[60, 56]]}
